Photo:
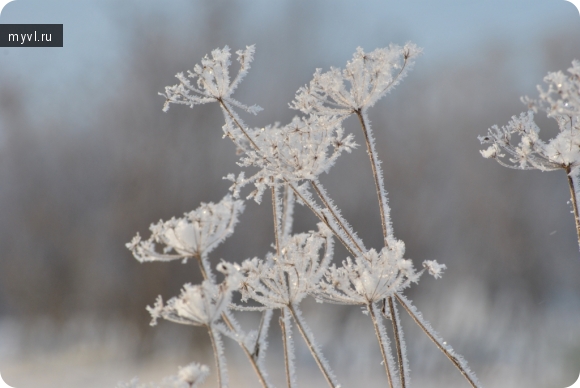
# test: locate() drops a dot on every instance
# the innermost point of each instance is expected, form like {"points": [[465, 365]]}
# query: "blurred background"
{"points": [[88, 159]]}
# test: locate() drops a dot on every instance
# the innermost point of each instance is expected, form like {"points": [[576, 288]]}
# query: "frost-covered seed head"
{"points": [[288, 278], [370, 278], [301, 150], [193, 374], [561, 101], [198, 305], [210, 81], [369, 77], [195, 234]]}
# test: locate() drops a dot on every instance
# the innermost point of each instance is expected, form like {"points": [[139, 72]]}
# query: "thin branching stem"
{"points": [[304, 331], [382, 345], [256, 352], [574, 202], [235, 120], [276, 218], [322, 217], [383, 207], [317, 186], [222, 383], [452, 357], [287, 209], [398, 333], [204, 273], [286, 338]]}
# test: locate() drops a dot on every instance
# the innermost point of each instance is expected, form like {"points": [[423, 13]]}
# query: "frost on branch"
{"points": [[561, 101], [210, 81], [369, 75], [198, 305], [370, 278], [195, 234], [190, 376], [282, 280]]}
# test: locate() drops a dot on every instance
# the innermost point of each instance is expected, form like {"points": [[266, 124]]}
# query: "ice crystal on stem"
{"points": [[434, 268]]}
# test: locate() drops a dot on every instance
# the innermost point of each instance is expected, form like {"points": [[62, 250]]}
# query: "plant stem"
{"points": [[447, 350], [304, 331], [383, 344], [317, 186], [399, 342], [383, 206], [574, 202], [221, 374], [287, 340], [275, 215], [287, 211]]}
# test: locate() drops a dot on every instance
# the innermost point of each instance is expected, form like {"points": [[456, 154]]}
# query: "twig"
{"points": [[383, 344], [304, 331], [399, 342], [446, 349]]}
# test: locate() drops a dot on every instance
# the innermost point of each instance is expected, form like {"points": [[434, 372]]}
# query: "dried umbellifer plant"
{"points": [[287, 161]]}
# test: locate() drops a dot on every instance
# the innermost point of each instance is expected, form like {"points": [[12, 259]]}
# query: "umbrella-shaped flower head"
{"points": [[195, 234]]}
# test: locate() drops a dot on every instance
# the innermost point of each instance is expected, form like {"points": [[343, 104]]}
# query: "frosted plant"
{"points": [[190, 376], [283, 280], [213, 81], [288, 160], [372, 278], [286, 279], [518, 145], [195, 235], [202, 305], [370, 75], [302, 149]]}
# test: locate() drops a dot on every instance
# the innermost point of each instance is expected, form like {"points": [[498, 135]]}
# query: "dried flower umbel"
{"points": [[518, 145], [289, 160]]}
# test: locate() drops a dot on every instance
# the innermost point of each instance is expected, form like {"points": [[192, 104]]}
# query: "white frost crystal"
{"points": [[434, 268]]}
